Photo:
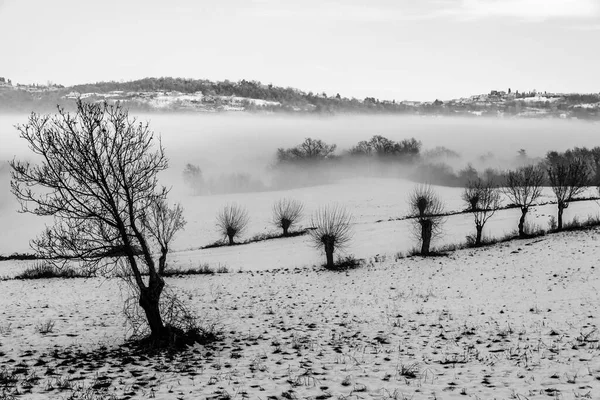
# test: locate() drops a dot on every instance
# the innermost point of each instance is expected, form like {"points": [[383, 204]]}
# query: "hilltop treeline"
{"points": [[290, 99]]}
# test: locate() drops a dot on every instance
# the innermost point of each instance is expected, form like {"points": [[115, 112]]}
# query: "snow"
{"points": [[516, 320], [538, 99]]}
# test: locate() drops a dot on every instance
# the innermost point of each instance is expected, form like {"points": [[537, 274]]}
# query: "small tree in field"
{"points": [[98, 175], [483, 200], [523, 187], [427, 209], [568, 178], [331, 230], [286, 214], [232, 221]]}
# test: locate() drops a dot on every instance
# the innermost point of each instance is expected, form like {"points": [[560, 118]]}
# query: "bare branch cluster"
{"points": [[232, 221], [483, 199], [427, 209], [425, 203], [524, 185], [331, 230], [568, 179], [287, 213], [98, 174]]}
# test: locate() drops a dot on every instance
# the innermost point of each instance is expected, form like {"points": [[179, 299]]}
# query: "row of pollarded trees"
{"points": [[330, 226], [568, 178], [233, 219], [523, 187]]}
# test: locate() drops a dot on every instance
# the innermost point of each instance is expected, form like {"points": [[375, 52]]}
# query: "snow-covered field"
{"points": [[516, 320], [513, 321]]}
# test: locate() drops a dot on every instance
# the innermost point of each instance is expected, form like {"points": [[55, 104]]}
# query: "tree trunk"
{"points": [[426, 232], [561, 209], [231, 242], [150, 303], [329, 247], [286, 226], [162, 261], [522, 222], [479, 234]]}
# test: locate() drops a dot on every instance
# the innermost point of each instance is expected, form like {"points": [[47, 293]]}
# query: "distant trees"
{"points": [[98, 177], [591, 157], [232, 221], [568, 178], [523, 187], [286, 214], [427, 209], [310, 150], [192, 176], [405, 150], [331, 230], [483, 200]]}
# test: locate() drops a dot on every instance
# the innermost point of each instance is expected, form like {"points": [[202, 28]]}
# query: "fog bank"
{"points": [[241, 143]]}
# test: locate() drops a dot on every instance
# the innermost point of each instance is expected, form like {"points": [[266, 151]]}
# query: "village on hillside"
{"points": [[159, 94]]}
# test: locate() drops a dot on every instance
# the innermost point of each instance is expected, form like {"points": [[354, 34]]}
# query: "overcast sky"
{"points": [[389, 49]]}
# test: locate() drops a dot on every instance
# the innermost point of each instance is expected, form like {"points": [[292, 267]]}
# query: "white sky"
{"points": [[389, 49]]}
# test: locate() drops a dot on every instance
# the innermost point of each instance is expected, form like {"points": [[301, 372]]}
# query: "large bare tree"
{"points": [[97, 173], [523, 187], [568, 177], [483, 199]]}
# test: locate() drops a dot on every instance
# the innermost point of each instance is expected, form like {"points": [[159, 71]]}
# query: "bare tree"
{"points": [[98, 174], [568, 178], [427, 208], [483, 199], [331, 230], [286, 214], [232, 221], [523, 187], [162, 223]]}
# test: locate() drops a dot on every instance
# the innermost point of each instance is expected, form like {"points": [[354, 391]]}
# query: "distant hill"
{"points": [[196, 95]]}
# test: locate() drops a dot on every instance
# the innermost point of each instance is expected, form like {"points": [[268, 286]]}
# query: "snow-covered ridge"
{"points": [[172, 100]]}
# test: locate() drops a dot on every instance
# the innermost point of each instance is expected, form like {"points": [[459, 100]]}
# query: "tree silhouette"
{"points": [[523, 187], [483, 200], [331, 230], [98, 175], [427, 209], [568, 178]]}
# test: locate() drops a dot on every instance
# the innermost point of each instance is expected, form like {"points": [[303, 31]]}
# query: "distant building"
{"points": [[497, 93]]}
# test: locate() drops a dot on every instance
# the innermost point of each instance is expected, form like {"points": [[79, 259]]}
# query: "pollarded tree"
{"points": [[331, 230], [232, 221], [523, 187], [286, 214], [98, 175], [483, 200], [427, 209], [568, 178]]}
